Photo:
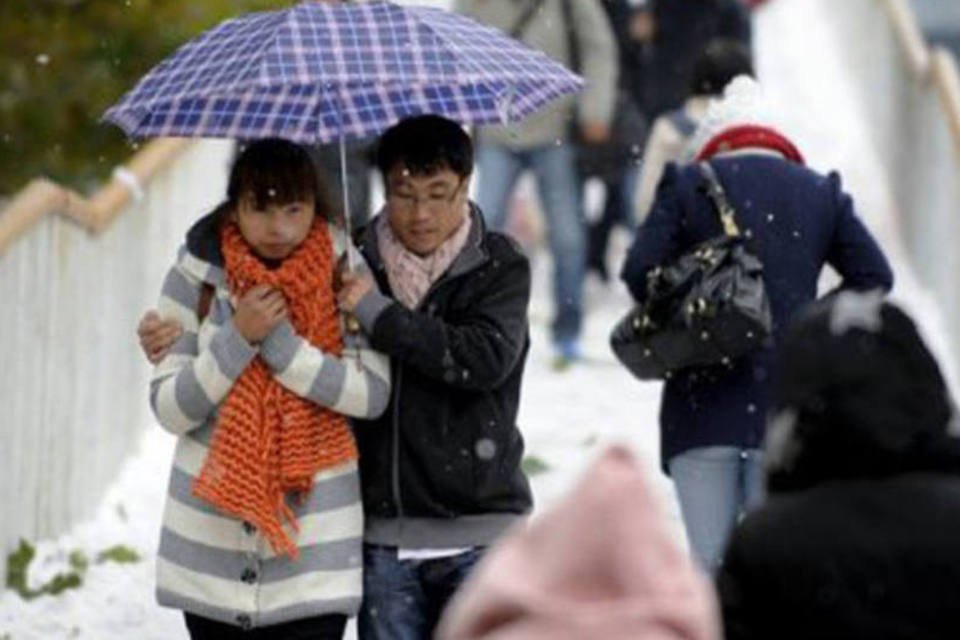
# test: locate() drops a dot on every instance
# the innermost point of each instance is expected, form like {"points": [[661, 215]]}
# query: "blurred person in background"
{"points": [[681, 29], [660, 42], [796, 221], [719, 62], [617, 163], [857, 538], [544, 142], [359, 163], [602, 564]]}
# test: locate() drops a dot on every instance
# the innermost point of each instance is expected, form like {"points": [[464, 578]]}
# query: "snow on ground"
{"points": [[566, 417]]}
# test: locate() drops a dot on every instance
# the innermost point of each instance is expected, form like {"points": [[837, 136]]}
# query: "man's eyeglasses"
{"points": [[432, 202]]}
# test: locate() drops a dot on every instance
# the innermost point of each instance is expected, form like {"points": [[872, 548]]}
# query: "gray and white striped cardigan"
{"points": [[217, 566]]}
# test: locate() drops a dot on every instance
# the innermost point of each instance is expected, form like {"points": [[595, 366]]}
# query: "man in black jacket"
{"points": [[440, 469]]}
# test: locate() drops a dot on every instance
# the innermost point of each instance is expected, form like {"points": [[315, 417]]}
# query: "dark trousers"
{"points": [[328, 627], [403, 599], [617, 210]]}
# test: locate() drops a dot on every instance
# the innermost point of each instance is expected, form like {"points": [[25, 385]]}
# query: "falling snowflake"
{"points": [[485, 448]]}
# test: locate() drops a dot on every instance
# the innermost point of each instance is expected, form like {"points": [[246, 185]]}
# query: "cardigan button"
{"points": [[249, 576], [245, 622]]}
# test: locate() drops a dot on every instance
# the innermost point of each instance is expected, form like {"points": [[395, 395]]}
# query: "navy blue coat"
{"points": [[797, 221]]}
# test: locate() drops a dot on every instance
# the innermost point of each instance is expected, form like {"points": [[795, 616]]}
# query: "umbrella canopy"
{"points": [[319, 72]]}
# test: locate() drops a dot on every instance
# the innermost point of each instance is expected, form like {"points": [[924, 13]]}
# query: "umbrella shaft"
{"points": [[345, 188]]}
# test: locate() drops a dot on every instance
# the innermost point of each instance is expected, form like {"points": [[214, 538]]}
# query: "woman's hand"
{"points": [[258, 311]]}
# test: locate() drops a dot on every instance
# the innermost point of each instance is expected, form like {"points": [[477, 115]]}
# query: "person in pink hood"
{"points": [[602, 564]]}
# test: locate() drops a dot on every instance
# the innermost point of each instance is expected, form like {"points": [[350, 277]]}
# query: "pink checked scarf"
{"points": [[411, 276]]}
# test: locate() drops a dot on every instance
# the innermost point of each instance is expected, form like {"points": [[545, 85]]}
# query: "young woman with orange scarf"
{"points": [[263, 524]]}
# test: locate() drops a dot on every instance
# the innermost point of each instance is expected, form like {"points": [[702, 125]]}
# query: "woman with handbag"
{"points": [[794, 221]]}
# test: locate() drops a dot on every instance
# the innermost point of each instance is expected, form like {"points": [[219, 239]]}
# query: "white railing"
{"points": [[910, 95], [75, 275]]}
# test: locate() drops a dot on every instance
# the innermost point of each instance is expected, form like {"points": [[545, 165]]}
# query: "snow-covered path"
{"points": [[566, 417]]}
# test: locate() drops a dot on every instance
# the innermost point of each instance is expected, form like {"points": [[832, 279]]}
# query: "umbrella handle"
{"points": [[353, 325]]}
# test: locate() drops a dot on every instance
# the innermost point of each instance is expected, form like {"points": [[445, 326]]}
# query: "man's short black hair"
{"points": [[424, 145], [719, 62]]}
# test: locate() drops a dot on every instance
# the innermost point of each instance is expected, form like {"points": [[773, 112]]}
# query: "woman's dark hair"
{"points": [[275, 171], [424, 145], [719, 62]]}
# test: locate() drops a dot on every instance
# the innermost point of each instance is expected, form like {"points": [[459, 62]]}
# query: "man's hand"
{"points": [[259, 310], [353, 286], [642, 26], [157, 335], [594, 132]]}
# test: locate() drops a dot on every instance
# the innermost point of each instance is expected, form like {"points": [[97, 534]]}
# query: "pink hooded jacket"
{"points": [[600, 565]]}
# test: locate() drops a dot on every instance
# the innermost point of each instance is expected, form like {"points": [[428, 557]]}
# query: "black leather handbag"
{"points": [[707, 307]]}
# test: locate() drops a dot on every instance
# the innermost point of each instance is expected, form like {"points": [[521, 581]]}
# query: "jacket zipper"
{"points": [[397, 498], [396, 447], [395, 479]]}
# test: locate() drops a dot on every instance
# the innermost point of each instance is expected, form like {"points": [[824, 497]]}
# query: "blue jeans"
{"points": [[558, 185], [403, 599], [716, 486]]}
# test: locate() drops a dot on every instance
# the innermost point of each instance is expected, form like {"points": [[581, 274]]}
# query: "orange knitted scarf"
{"points": [[269, 442]]}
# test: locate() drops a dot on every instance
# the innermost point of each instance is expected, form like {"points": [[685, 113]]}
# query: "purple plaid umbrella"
{"points": [[321, 72]]}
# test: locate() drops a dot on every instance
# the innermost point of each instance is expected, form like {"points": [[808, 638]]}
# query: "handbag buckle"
{"points": [[642, 322], [697, 307]]}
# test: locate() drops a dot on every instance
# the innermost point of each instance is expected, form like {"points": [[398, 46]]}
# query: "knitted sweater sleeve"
{"points": [[189, 383], [356, 384]]}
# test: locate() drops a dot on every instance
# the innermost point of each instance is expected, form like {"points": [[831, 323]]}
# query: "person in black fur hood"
{"points": [[858, 538]]}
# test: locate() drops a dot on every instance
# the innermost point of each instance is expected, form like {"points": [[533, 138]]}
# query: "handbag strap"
{"points": [[573, 43], [718, 196], [523, 21]]}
